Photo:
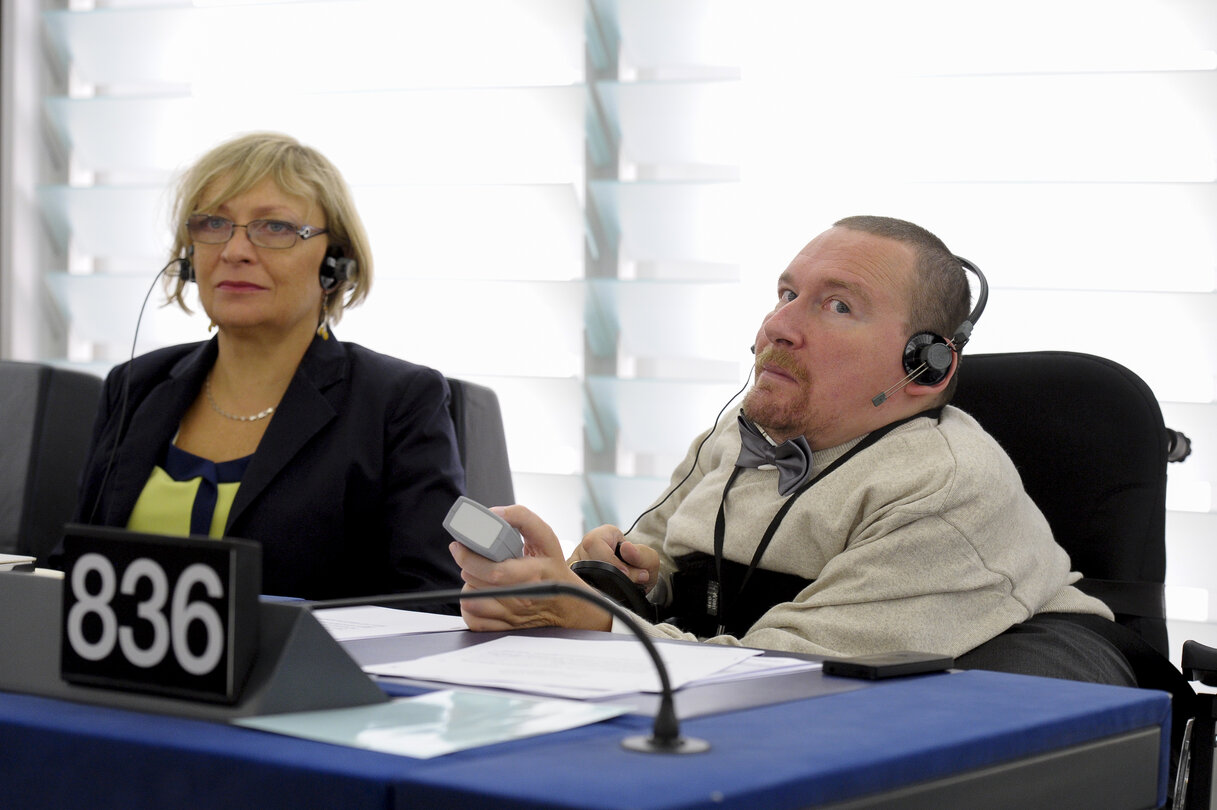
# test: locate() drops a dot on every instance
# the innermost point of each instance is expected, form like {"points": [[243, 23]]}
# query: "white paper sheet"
{"points": [[761, 666], [10, 561], [574, 668], [348, 623], [435, 723]]}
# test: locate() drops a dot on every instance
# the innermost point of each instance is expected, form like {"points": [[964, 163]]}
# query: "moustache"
{"points": [[774, 356]]}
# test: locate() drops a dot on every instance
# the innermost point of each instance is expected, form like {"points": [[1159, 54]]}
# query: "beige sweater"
{"points": [[924, 541]]}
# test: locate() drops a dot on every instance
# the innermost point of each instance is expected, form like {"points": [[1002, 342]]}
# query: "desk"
{"points": [[957, 740]]}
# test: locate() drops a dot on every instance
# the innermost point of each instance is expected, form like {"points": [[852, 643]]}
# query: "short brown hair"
{"points": [[298, 170]]}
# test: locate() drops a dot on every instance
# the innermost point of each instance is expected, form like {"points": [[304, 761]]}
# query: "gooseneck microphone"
{"points": [[665, 732]]}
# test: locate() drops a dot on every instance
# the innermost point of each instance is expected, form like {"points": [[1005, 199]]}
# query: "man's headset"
{"points": [[927, 356], [927, 359], [335, 268]]}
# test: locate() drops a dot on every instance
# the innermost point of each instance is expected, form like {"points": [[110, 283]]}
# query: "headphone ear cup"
{"points": [[925, 349], [185, 267], [335, 269]]}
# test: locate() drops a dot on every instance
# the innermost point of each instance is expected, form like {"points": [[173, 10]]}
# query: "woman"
{"points": [[341, 462]]}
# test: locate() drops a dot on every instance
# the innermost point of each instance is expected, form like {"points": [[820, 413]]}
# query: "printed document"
{"points": [[572, 668], [349, 623]]}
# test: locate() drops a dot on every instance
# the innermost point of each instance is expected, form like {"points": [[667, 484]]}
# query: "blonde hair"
{"points": [[299, 171]]}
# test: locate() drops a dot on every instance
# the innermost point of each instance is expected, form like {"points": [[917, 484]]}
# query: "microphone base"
{"points": [[645, 744]]}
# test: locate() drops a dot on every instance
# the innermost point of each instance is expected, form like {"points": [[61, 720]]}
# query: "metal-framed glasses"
{"points": [[209, 229]]}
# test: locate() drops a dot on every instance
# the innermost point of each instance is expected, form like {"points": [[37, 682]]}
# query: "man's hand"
{"points": [[542, 562], [607, 544]]}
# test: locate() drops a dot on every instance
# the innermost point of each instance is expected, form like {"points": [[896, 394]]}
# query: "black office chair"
{"points": [[48, 414], [481, 441], [1088, 439]]}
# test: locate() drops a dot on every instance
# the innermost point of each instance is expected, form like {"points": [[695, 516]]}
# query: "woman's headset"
{"points": [[335, 268]]}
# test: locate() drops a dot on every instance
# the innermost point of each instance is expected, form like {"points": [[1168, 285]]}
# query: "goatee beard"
{"points": [[759, 407]]}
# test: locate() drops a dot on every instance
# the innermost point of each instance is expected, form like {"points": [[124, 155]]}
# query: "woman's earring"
{"points": [[323, 328], [212, 327]]}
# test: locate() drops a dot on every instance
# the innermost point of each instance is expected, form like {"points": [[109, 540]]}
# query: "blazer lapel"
{"points": [[150, 428], [311, 401]]}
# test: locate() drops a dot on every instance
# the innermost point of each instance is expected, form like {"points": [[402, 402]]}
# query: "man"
{"points": [[911, 529]]}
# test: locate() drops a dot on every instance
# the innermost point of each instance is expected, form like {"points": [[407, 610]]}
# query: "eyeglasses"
{"points": [[268, 233]]}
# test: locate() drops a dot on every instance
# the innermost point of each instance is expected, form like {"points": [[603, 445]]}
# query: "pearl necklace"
{"points": [[211, 401]]}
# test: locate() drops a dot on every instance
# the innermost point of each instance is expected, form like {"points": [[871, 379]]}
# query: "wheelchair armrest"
{"points": [[1199, 663]]}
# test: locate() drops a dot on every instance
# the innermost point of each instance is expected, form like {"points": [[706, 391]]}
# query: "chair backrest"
{"points": [[49, 415], [1087, 437], [482, 443]]}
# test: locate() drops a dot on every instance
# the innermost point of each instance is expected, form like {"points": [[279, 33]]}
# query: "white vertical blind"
{"points": [[1069, 147], [459, 126]]}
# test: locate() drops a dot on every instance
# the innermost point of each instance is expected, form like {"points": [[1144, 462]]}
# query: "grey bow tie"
{"points": [[792, 457]]}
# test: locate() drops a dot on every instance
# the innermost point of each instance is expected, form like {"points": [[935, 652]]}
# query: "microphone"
{"points": [[881, 397], [665, 731]]}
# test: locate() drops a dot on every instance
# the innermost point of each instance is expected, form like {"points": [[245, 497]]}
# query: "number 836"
{"points": [[170, 630]]}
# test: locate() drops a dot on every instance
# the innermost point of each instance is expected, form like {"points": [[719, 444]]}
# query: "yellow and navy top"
{"points": [[188, 495], [351, 481]]}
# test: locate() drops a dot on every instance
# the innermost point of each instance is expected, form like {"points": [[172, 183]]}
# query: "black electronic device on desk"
{"points": [[887, 665]]}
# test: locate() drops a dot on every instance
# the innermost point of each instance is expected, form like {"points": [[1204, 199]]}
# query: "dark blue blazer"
{"points": [[348, 488]]}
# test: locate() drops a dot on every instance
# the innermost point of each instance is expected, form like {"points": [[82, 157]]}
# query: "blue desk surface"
{"points": [[800, 753]]}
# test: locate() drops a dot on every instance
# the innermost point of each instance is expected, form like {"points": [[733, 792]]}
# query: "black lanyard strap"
{"points": [[714, 599]]}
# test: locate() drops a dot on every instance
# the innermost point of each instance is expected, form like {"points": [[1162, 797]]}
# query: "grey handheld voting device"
{"points": [[480, 530]]}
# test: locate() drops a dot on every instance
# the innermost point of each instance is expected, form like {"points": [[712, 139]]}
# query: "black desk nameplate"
{"points": [[299, 666], [167, 615]]}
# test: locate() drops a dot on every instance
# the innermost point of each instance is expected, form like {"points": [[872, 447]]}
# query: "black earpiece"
{"points": [[185, 267], [335, 269], [927, 356]]}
